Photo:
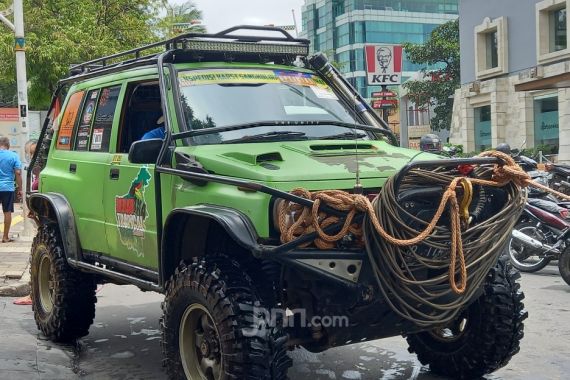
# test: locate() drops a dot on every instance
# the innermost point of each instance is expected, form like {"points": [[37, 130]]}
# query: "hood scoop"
{"points": [[254, 159]]}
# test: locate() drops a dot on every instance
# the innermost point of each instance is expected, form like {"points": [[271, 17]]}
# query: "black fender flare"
{"points": [[54, 208], [235, 223]]}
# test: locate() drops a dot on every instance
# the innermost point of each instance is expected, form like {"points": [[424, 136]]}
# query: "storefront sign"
{"points": [[384, 64], [384, 103], [382, 94], [9, 114]]}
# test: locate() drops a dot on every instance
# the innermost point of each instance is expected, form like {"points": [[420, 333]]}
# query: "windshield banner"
{"points": [[196, 78]]}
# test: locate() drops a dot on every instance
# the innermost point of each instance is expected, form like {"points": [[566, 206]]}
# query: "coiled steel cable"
{"points": [[414, 260], [412, 280]]}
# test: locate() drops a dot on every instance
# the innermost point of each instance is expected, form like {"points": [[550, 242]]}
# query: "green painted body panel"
{"points": [[83, 191], [99, 202], [307, 164], [295, 161]]}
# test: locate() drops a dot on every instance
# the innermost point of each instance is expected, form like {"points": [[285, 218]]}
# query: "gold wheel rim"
{"points": [[199, 344], [45, 284]]}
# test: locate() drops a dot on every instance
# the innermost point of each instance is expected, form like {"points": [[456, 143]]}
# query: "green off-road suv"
{"points": [[222, 212]]}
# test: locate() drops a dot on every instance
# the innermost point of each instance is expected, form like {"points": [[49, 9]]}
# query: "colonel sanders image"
{"points": [[384, 57]]}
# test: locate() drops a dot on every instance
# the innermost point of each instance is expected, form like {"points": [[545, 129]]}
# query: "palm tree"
{"points": [[180, 17]]}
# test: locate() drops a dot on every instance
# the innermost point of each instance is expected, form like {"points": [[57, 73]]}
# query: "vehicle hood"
{"points": [[317, 160]]}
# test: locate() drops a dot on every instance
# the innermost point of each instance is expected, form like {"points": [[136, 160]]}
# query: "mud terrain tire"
{"points": [[222, 292], [491, 334], [564, 266], [63, 299]]}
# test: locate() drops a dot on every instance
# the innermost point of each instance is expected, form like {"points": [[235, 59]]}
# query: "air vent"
{"points": [[268, 157], [346, 146]]}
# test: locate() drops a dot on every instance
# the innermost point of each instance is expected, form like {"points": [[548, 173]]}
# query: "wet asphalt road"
{"points": [[124, 343]]}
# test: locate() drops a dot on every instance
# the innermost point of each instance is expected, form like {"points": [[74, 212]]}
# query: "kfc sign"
{"points": [[384, 64]]}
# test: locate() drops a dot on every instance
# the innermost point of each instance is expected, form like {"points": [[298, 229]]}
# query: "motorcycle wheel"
{"points": [[564, 266], [524, 258]]}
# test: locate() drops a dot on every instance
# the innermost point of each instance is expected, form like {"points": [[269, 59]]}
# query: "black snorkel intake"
{"points": [[334, 78]]}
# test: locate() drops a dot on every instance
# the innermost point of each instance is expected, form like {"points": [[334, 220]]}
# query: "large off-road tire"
{"points": [[524, 258], [564, 266], [484, 337], [63, 299], [212, 327]]}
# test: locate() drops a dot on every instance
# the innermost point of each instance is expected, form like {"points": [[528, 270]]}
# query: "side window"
{"points": [[85, 121], [64, 139], [141, 113], [104, 115]]}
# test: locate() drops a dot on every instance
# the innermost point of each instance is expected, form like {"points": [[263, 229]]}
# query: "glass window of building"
{"points": [[338, 8], [491, 50], [546, 132], [343, 62], [359, 63], [343, 35], [558, 30], [483, 128]]}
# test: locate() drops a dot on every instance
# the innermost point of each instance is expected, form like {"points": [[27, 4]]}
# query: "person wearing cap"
{"points": [[157, 133]]}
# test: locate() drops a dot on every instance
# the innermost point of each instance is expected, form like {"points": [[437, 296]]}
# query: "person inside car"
{"points": [[157, 133]]}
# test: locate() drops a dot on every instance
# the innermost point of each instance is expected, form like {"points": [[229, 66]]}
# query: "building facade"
{"points": [[342, 28], [515, 75]]}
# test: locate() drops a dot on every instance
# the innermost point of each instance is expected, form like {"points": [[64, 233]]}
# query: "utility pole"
{"points": [[22, 84], [21, 77]]}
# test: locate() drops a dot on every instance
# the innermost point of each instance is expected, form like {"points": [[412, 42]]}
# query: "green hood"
{"points": [[295, 161]]}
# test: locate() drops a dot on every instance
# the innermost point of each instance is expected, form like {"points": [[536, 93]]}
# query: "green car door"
{"points": [[78, 163], [129, 189]]}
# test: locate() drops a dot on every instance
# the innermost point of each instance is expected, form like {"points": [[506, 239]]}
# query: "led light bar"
{"points": [[247, 47]]}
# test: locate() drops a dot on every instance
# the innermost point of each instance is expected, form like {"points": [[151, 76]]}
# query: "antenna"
{"points": [[295, 22], [357, 186]]}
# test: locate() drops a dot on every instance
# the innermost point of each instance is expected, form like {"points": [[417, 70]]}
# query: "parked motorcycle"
{"points": [[542, 235], [559, 177]]}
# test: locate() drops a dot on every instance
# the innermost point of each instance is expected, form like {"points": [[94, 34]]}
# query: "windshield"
{"points": [[223, 97]]}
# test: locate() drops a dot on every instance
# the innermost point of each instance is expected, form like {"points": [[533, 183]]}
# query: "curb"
{"points": [[19, 289]]}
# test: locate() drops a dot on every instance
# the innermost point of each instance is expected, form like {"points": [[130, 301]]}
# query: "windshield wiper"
{"points": [[270, 136], [345, 136], [286, 123]]}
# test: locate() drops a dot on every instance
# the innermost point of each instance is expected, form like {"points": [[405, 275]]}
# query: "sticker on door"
{"points": [[131, 213]]}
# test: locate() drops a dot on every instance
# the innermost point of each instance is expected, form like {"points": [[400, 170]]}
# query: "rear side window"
{"points": [[67, 125], [104, 116], [96, 121], [86, 120]]}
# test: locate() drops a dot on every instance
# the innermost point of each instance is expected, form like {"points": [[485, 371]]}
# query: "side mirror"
{"points": [[145, 151]]}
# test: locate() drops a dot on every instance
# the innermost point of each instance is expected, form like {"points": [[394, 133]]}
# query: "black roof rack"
{"points": [[202, 46]]}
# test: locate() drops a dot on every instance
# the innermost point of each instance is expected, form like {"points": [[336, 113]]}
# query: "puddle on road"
{"points": [[123, 355]]}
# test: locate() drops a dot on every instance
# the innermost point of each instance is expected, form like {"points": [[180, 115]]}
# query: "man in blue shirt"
{"points": [[157, 133], [10, 170]]}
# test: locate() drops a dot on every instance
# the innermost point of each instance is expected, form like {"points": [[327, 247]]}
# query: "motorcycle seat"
{"points": [[545, 205], [562, 169]]}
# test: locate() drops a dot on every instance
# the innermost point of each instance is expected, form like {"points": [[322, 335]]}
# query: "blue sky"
{"points": [[222, 14]]}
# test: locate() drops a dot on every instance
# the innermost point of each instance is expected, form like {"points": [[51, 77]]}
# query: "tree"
{"points": [[60, 33], [8, 97], [441, 53], [180, 14]]}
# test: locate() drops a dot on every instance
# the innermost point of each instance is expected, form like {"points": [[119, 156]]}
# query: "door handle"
{"points": [[114, 174], [73, 168]]}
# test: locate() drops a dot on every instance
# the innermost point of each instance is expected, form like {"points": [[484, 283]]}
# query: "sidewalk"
{"points": [[15, 257]]}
